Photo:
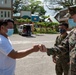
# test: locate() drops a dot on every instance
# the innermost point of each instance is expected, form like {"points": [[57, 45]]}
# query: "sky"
{"points": [[48, 12]]}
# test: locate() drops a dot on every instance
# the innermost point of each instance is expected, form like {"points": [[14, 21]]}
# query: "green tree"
{"points": [[64, 3], [34, 6], [15, 6]]}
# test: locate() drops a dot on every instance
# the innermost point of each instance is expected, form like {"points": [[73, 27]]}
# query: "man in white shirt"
{"points": [[8, 55]]}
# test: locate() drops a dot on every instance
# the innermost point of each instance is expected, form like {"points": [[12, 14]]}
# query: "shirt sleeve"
{"points": [[6, 47]]}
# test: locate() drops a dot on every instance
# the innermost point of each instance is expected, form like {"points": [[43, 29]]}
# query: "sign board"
{"points": [[28, 13], [34, 18], [71, 23]]}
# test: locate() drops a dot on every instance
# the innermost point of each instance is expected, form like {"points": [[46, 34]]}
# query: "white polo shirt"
{"points": [[7, 64]]}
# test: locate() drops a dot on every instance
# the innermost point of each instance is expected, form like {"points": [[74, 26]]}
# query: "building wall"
{"points": [[6, 9], [5, 3]]}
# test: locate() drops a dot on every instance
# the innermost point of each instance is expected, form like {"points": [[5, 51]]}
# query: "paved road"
{"points": [[36, 63]]}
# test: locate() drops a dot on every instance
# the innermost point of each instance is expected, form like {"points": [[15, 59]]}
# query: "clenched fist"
{"points": [[36, 48], [43, 48]]}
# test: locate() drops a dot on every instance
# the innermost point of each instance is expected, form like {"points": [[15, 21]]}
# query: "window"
{"points": [[8, 14], [5, 1], [1, 13], [5, 14], [21, 27]]}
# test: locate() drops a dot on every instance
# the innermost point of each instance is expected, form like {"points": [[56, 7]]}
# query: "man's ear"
{"points": [[2, 27]]}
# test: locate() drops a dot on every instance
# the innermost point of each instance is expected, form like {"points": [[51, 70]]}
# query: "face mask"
{"points": [[10, 32], [62, 31], [71, 23]]}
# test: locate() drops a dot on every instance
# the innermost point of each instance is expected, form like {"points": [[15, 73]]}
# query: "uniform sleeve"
{"points": [[56, 41], [72, 40], [58, 49], [5, 47], [54, 51]]}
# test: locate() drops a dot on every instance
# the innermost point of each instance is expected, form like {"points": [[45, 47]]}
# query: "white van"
{"points": [[25, 29]]}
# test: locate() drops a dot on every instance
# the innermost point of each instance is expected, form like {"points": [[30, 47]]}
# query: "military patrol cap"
{"points": [[72, 10], [64, 24]]}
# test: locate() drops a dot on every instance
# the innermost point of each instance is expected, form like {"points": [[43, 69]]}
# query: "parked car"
{"points": [[25, 29]]}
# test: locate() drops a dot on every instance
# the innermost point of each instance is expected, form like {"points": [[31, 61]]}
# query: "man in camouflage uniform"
{"points": [[72, 43], [71, 40], [61, 60], [60, 53]]}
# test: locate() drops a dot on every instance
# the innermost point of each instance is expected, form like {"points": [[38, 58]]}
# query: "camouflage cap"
{"points": [[64, 24], [72, 10]]}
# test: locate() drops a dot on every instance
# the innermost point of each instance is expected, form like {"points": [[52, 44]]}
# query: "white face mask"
{"points": [[71, 23], [10, 32]]}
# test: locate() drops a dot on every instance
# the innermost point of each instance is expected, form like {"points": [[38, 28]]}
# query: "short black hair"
{"points": [[9, 20], [64, 24], [5, 22], [1, 22]]}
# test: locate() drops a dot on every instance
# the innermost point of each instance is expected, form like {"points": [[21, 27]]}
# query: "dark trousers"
{"points": [[62, 68]]}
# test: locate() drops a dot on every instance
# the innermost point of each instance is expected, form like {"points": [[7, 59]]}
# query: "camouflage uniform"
{"points": [[72, 47], [71, 40], [62, 61]]}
